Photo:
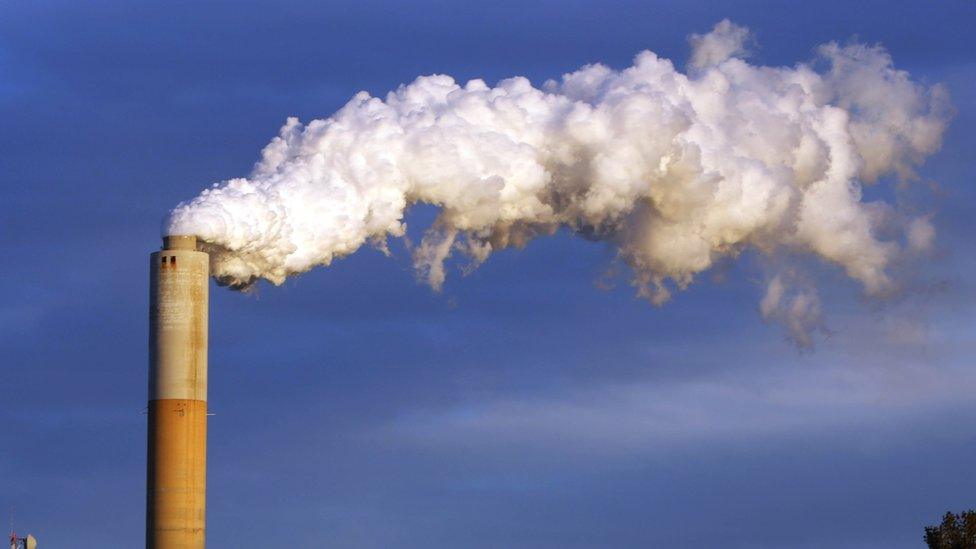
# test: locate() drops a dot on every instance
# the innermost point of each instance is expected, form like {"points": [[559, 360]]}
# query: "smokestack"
{"points": [[176, 483]]}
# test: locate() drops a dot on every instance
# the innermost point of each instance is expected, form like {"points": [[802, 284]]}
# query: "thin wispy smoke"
{"points": [[677, 170]]}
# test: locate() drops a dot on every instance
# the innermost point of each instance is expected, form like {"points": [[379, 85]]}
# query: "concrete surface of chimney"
{"points": [[176, 480]]}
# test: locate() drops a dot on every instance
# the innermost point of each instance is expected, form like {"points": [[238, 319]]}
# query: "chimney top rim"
{"points": [[179, 242]]}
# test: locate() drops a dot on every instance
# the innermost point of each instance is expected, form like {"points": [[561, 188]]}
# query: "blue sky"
{"points": [[524, 406]]}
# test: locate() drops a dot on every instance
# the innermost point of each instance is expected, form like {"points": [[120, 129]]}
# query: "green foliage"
{"points": [[955, 532]]}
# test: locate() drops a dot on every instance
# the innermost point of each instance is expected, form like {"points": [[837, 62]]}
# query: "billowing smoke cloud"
{"points": [[676, 170]]}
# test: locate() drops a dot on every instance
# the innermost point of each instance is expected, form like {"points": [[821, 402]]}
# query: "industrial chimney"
{"points": [[176, 483]]}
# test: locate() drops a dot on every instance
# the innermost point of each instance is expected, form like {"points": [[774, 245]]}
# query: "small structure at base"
{"points": [[30, 542]]}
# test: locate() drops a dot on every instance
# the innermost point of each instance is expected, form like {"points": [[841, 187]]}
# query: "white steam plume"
{"points": [[677, 170]]}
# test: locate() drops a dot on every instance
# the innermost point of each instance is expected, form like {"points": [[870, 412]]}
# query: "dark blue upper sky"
{"points": [[524, 406]]}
